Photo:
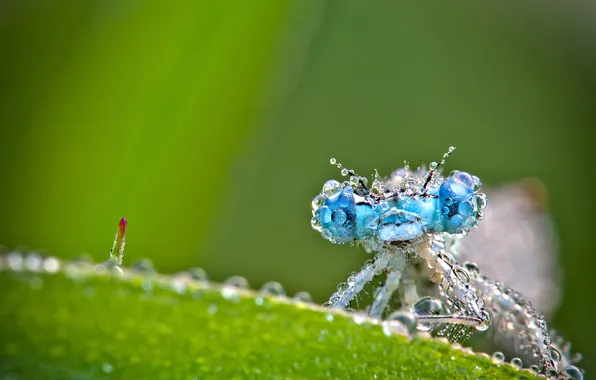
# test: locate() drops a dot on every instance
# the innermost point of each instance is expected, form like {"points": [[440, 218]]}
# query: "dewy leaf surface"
{"points": [[81, 323]]}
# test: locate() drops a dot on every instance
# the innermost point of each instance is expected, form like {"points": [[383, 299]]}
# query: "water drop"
{"points": [[517, 362], [344, 172], [329, 317], [273, 288], [144, 265], [499, 356], [359, 318], [303, 297], [486, 321], [534, 368], [178, 286], [198, 274], [406, 319], [471, 267], [572, 372], [33, 262], [333, 161], [107, 367], [230, 293], [432, 166], [51, 265], [427, 306], [237, 281], [329, 188], [481, 201], [477, 184], [14, 260]]}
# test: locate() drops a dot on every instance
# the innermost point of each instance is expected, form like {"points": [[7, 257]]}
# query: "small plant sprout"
{"points": [[414, 222], [117, 251]]}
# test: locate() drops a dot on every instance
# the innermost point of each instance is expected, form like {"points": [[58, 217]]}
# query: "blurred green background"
{"points": [[209, 125]]}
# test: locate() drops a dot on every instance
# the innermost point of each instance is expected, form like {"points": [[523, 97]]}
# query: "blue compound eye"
{"points": [[460, 202], [335, 214]]}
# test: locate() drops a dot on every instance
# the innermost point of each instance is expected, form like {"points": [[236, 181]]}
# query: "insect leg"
{"points": [[356, 283], [396, 267]]}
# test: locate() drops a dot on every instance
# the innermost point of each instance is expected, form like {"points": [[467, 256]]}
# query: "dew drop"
{"points": [[432, 166], [317, 202], [303, 297], [198, 274], [359, 318], [14, 260], [329, 317], [485, 323], [477, 184], [427, 306], [230, 293], [33, 262], [329, 188], [344, 172], [107, 367], [212, 309], [237, 281], [51, 265], [534, 368], [408, 320], [391, 327], [517, 362], [333, 161], [572, 372], [144, 266], [499, 356], [481, 201], [471, 267], [272, 288]]}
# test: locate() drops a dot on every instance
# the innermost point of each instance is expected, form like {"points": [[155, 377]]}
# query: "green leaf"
{"points": [[82, 323]]}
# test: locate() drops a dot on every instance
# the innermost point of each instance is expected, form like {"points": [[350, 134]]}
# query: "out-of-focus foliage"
{"points": [[85, 326], [210, 124]]}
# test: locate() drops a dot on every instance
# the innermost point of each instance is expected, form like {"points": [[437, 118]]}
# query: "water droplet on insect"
{"points": [[198, 274], [517, 362], [237, 281], [333, 161], [477, 184], [314, 223], [486, 321], [534, 368], [471, 267], [329, 188], [499, 356], [481, 201], [572, 372], [273, 288], [406, 319], [427, 306], [432, 166], [344, 172], [303, 297], [317, 202]]}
